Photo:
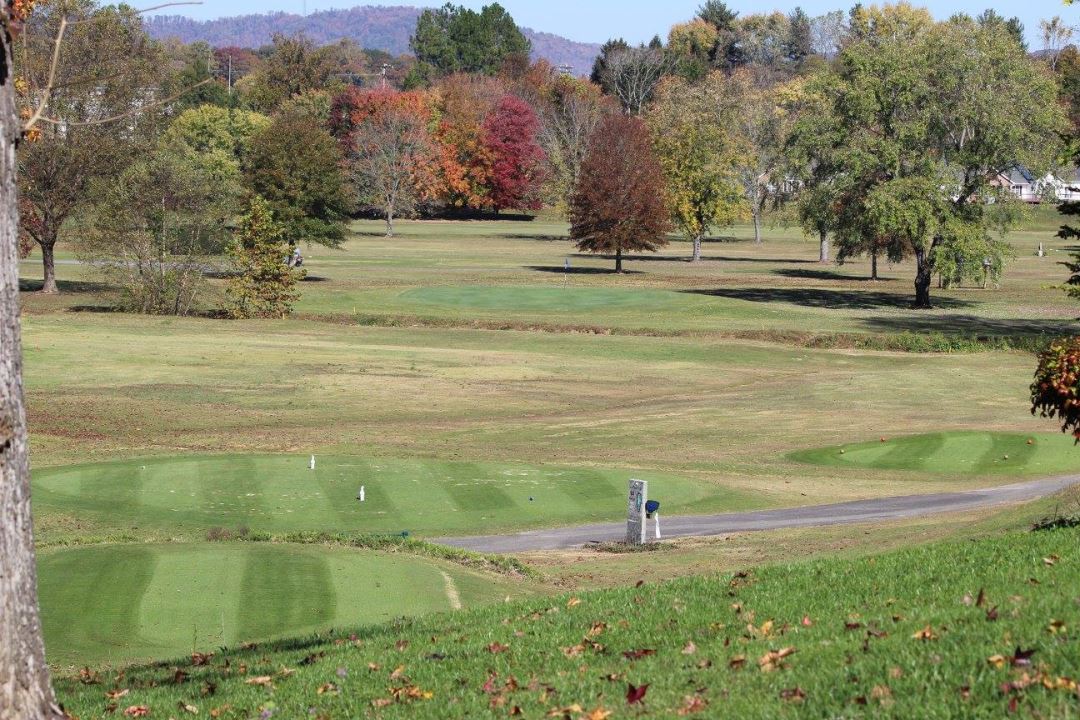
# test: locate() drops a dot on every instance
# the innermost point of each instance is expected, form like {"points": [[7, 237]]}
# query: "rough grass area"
{"points": [[119, 603], [962, 453], [957, 629]]}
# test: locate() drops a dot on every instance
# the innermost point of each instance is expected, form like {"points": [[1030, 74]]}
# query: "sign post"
{"points": [[635, 512]]}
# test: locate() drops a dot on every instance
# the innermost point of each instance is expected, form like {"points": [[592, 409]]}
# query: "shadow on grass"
{"points": [[315, 279], [971, 325], [807, 274], [65, 286], [560, 270], [707, 258], [538, 238], [827, 298]]}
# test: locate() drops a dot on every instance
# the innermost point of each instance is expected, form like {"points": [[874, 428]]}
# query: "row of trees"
{"points": [[894, 149]]}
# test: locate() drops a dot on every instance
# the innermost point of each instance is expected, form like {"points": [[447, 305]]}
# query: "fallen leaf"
{"points": [[637, 654], [896, 673], [1021, 658], [374, 667], [693, 704], [89, 677], [598, 714], [573, 602], [596, 629], [381, 702], [264, 680], [201, 658], [690, 648], [981, 600], [927, 633], [326, 688], [1051, 561], [737, 662], [1056, 627], [137, 711], [117, 694], [774, 659], [795, 694], [992, 614], [400, 645], [997, 661], [636, 694], [397, 672], [806, 621], [188, 708], [496, 647]]}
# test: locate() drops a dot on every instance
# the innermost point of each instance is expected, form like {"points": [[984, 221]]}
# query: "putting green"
{"points": [[118, 603], [554, 299], [278, 493], [956, 453]]}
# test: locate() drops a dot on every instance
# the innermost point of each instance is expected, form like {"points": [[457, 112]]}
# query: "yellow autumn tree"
{"points": [[699, 154]]}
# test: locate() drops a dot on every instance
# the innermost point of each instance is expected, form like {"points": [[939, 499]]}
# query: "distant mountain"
{"points": [[373, 27]]}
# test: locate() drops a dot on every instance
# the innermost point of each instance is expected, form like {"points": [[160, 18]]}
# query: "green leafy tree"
{"points": [[718, 14], [196, 81], [217, 138], [912, 140], [262, 284], [698, 153], [104, 66], [297, 167], [455, 39], [292, 66]]}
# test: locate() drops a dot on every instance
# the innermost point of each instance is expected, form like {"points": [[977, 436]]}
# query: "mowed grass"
{"points": [[961, 453], [956, 629], [280, 494], [119, 603]]}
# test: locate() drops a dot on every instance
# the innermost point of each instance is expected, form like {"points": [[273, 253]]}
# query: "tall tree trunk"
{"points": [[823, 257], [389, 221], [873, 264], [697, 248], [48, 263], [757, 226], [25, 690], [618, 260], [924, 275]]}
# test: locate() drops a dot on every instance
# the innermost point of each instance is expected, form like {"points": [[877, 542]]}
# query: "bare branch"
{"points": [[47, 93], [122, 116]]}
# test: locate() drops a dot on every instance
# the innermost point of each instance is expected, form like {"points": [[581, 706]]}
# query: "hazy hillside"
{"points": [[375, 27]]}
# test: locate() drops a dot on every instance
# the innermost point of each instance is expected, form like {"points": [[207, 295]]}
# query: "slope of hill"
{"points": [[374, 27], [956, 629]]}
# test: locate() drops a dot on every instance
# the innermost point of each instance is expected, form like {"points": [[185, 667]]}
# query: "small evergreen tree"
{"points": [[263, 285]]}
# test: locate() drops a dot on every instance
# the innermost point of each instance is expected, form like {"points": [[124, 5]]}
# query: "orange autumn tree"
{"points": [[391, 156], [465, 163]]}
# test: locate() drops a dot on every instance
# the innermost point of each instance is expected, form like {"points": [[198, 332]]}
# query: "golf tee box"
{"points": [[635, 512]]}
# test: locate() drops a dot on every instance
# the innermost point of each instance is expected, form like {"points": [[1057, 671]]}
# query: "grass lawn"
{"points": [[119, 603], [957, 629], [973, 453], [279, 494]]}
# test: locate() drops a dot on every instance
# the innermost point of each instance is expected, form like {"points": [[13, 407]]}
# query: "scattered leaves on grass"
{"points": [[737, 662], [1056, 627], [188, 708], [992, 614], [690, 648], [598, 714], [117, 694], [807, 622], [774, 659], [1051, 560], [326, 688], [263, 680], [1021, 658], [596, 629], [401, 645], [637, 654], [89, 677], [573, 602], [397, 672], [496, 647], [313, 658], [636, 694], [137, 711]]}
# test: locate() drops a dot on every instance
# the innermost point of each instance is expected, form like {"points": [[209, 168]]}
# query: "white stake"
{"points": [[657, 517], [312, 465], [361, 493]]}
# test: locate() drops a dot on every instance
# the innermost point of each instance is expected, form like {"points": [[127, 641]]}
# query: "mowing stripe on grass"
{"points": [[292, 591], [451, 591]]}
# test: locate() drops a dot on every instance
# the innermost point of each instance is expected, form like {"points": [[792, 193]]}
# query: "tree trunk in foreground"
{"points": [[823, 257], [873, 265], [48, 264], [389, 221], [618, 260], [25, 690]]}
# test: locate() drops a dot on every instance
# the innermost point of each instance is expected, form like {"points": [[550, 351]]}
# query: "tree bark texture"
{"points": [[618, 260], [697, 248], [25, 689], [823, 257], [757, 226], [924, 275], [873, 265]]}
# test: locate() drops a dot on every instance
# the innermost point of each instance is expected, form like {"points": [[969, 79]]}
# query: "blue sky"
{"points": [[635, 20]]}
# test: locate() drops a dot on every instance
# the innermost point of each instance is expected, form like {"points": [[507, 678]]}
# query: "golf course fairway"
{"points": [[117, 603], [956, 453], [278, 493]]}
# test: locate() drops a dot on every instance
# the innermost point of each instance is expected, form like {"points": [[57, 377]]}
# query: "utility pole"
{"points": [[385, 67]]}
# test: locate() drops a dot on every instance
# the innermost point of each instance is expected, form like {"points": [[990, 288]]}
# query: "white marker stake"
{"points": [[312, 465], [361, 493], [657, 516]]}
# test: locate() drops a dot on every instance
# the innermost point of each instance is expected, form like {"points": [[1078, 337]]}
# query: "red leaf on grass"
{"points": [[636, 694], [637, 654]]}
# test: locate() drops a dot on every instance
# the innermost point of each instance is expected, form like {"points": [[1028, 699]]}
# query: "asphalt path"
{"points": [[893, 508]]}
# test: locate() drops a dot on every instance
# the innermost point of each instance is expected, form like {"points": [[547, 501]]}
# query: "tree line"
{"points": [[881, 131]]}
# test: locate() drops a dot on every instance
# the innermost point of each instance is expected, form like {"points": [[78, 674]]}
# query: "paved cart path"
{"points": [[836, 514]]}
